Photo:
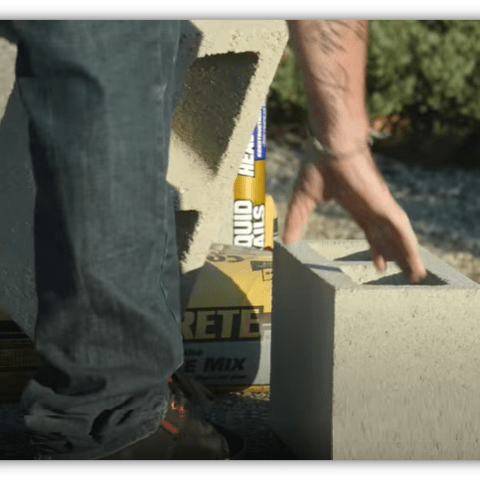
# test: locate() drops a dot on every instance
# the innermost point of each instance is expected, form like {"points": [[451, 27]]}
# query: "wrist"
{"points": [[347, 132], [339, 143]]}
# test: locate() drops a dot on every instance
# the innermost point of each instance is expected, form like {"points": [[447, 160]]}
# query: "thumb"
{"points": [[299, 210]]}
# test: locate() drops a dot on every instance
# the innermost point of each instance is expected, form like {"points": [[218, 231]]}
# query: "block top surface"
{"points": [[348, 264], [221, 36]]}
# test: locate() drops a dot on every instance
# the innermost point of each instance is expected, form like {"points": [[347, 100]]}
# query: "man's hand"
{"points": [[332, 56], [357, 185]]}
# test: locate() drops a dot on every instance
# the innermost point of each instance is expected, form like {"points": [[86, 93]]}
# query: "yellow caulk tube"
{"points": [[271, 222], [249, 190]]}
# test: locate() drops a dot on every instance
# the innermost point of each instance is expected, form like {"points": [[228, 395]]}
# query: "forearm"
{"points": [[332, 55]]}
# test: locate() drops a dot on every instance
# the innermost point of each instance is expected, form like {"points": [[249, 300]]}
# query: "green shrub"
{"points": [[288, 81], [286, 100], [428, 70]]}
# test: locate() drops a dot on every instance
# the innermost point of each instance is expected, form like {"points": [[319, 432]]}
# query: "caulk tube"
{"points": [[249, 190], [271, 222]]}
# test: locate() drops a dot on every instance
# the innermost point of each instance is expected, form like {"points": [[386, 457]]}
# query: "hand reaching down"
{"points": [[358, 186]]}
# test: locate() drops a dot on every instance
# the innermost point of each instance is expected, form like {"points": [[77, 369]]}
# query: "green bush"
{"points": [[286, 100], [428, 70]]}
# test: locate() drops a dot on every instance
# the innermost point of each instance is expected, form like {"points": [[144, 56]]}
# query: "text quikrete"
{"points": [[239, 323]]}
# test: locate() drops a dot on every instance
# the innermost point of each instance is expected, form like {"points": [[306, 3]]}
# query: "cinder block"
{"points": [[17, 195], [369, 366], [224, 89]]}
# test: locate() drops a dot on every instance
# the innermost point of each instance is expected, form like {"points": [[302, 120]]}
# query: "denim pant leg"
{"points": [[99, 97]]}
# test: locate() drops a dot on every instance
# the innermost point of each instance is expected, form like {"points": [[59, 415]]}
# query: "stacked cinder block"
{"points": [[369, 366], [225, 86], [17, 194]]}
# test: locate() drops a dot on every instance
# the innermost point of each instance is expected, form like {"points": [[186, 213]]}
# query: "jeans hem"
{"points": [[140, 432]]}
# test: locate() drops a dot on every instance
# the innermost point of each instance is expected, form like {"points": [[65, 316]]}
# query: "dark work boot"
{"points": [[181, 435]]}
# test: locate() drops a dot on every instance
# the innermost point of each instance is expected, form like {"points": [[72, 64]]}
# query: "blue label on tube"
{"points": [[260, 136]]}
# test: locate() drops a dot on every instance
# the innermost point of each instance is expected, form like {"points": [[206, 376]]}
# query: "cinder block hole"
{"points": [[211, 102], [365, 274], [362, 256], [186, 223], [402, 279], [344, 252]]}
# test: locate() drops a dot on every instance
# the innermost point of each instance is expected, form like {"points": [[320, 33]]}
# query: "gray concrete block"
{"points": [[17, 193], [369, 366], [225, 86]]}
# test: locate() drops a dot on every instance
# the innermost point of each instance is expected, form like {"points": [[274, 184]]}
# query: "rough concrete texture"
{"points": [[8, 52], [17, 191], [224, 89], [369, 366]]}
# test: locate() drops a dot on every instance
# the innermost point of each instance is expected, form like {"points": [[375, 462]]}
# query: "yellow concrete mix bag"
{"points": [[226, 326]]}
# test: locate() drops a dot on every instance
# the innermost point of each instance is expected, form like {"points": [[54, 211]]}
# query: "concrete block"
{"points": [[369, 366], [224, 89], [17, 194]]}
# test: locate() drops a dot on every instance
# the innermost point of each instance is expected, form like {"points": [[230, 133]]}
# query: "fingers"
{"points": [[409, 258], [387, 241], [396, 241], [308, 192], [360, 190], [299, 211], [379, 262], [411, 263]]}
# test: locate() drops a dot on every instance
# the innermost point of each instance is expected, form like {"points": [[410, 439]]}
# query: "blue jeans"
{"points": [[99, 99]]}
